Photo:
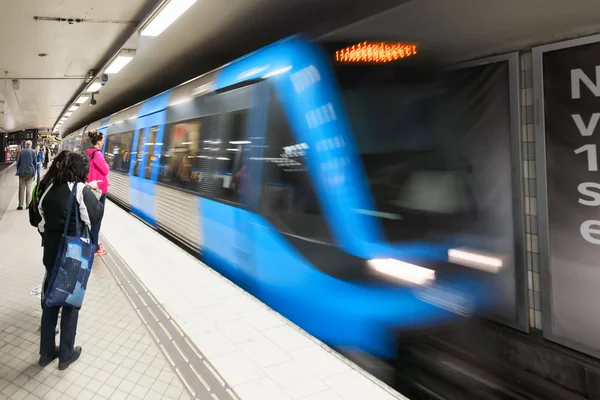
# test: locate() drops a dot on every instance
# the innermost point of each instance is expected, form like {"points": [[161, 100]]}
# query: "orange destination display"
{"points": [[375, 52]]}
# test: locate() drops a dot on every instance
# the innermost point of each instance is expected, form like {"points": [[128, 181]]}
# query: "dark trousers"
{"points": [[68, 327], [96, 228], [68, 330]]}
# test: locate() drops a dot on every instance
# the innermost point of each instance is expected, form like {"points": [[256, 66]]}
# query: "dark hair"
{"points": [[75, 169], [95, 137], [53, 170]]}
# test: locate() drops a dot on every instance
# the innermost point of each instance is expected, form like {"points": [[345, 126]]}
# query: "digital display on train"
{"points": [[374, 53]]}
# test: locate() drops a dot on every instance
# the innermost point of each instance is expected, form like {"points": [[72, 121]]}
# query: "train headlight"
{"points": [[471, 259], [403, 271]]}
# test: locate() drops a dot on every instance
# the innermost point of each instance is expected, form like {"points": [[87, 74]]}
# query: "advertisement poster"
{"points": [[571, 82]]}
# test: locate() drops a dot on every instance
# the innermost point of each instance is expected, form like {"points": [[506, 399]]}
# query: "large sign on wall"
{"points": [[569, 125]]}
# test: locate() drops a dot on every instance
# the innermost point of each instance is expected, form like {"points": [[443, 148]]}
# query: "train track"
{"points": [[436, 370]]}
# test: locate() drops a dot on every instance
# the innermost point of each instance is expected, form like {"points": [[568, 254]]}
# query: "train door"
{"points": [[228, 239], [143, 170]]}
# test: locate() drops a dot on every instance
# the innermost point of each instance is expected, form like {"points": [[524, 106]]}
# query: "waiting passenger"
{"points": [[98, 172], [40, 156], [26, 169], [73, 171]]}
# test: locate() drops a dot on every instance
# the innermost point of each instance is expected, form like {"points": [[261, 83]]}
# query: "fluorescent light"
{"points": [[474, 260], [166, 16], [186, 143], [120, 61], [403, 271], [68, 114], [74, 107], [94, 87], [223, 158], [233, 149], [82, 99], [240, 142]]}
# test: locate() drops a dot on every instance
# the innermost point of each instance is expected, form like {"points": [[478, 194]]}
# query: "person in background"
{"points": [[98, 172], [40, 158], [26, 169], [53, 209], [46, 157]]}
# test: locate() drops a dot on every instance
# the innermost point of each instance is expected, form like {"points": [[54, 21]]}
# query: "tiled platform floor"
{"points": [[119, 361], [217, 337]]}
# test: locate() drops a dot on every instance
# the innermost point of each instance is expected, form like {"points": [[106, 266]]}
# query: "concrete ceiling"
{"points": [[458, 30], [214, 32], [210, 34], [47, 83]]}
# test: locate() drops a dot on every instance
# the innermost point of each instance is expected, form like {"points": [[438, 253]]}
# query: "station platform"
{"points": [[159, 324]]}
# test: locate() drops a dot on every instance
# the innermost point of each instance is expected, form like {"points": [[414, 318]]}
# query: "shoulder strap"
{"points": [[69, 209], [93, 154]]}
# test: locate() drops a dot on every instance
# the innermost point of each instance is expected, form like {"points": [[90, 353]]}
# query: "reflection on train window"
{"points": [[86, 143], [287, 197], [117, 151], [139, 153], [228, 154], [150, 157], [181, 158]]}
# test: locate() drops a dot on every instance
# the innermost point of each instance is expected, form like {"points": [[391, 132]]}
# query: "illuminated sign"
{"points": [[375, 52]]}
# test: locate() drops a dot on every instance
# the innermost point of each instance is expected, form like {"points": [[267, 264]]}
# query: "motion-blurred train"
{"points": [[288, 173]]}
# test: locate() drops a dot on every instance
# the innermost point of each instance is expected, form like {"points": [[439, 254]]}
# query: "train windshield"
{"points": [[404, 133]]}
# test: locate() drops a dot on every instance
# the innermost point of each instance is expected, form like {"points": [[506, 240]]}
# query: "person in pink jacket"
{"points": [[98, 172]]}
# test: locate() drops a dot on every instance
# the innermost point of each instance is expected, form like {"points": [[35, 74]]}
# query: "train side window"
{"points": [[117, 151], [139, 153], [228, 156], [182, 161], [287, 197], [149, 155]]}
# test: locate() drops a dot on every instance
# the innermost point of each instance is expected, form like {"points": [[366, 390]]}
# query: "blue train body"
{"points": [[325, 287]]}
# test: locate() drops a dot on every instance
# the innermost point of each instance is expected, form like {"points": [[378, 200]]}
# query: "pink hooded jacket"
{"points": [[98, 169]]}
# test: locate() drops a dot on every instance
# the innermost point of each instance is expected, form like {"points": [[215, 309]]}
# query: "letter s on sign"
{"points": [[588, 228], [585, 188]]}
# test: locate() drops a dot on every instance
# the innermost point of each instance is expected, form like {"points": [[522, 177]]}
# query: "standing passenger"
{"points": [[53, 210], [46, 157], [98, 172], [40, 157], [26, 168]]}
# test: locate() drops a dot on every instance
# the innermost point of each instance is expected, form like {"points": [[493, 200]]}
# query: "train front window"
{"points": [[417, 177]]}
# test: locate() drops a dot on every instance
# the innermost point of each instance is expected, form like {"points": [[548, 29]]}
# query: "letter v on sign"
{"points": [[586, 130]]}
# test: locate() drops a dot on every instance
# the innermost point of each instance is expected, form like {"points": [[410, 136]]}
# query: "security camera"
{"points": [[103, 79], [93, 101]]}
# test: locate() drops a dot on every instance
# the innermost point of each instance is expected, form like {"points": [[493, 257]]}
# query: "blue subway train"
{"points": [[287, 174]]}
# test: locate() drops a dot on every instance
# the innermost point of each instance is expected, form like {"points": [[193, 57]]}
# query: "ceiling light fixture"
{"points": [[74, 107], [122, 58], [68, 114], [166, 16], [82, 99], [94, 87]]}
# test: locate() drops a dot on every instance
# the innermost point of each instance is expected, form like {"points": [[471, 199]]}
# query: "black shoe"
{"points": [[45, 360], [19, 208], [62, 365]]}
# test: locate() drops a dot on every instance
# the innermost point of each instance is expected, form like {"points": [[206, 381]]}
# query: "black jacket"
{"points": [[54, 207]]}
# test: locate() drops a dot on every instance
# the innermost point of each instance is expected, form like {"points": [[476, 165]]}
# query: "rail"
{"points": [[8, 185]]}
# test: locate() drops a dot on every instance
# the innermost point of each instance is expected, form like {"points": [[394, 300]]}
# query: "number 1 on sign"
{"points": [[592, 156]]}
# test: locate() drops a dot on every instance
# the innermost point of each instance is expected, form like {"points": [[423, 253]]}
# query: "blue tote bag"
{"points": [[73, 264]]}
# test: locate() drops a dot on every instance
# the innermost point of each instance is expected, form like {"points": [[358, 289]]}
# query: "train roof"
{"points": [[202, 84]]}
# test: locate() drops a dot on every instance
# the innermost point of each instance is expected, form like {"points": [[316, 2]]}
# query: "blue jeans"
{"points": [[39, 171], [68, 331], [68, 327], [96, 228]]}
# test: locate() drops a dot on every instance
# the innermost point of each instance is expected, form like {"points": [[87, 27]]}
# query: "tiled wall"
{"points": [[530, 192]]}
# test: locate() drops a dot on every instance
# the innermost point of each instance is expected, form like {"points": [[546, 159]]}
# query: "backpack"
{"points": [[34, 212]]}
